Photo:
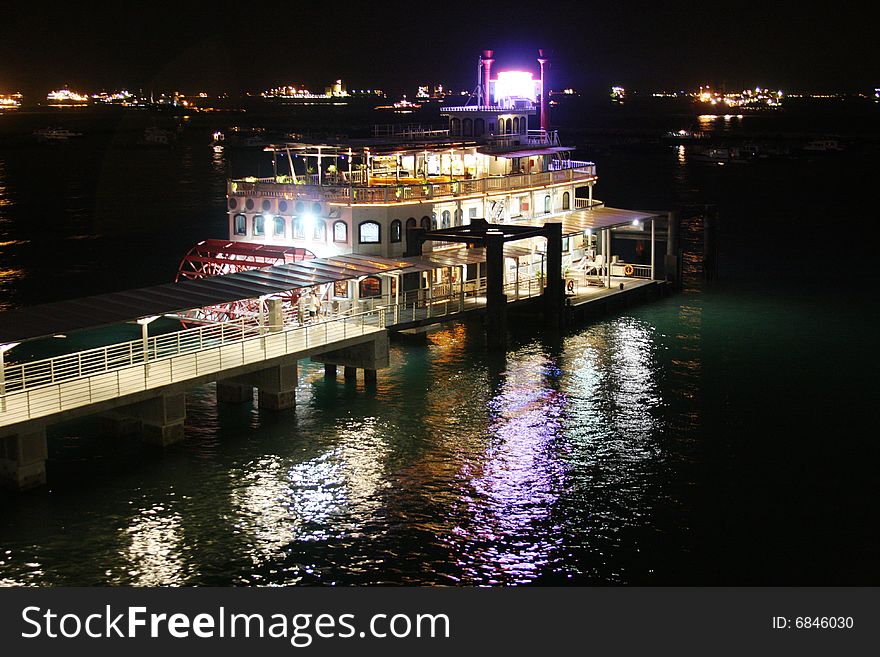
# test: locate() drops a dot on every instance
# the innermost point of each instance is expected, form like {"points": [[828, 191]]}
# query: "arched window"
{"points": [[522, 126], [340, 232], [467, 127], [426, 223], [444, 220], [566, 201], [369, 232], [455, 126], [491, 127], [410, 223], [299, 229], [433, 221], [259, 225], [458, 217], [369, 287], [479, 127], [240, 224], [516, 125], [396, 230], [280, 226], [508, 126], [320, 230], [547, 204]]}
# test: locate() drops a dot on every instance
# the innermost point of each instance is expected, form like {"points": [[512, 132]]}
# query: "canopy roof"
{"points": [[129, 305], [596, 218]]}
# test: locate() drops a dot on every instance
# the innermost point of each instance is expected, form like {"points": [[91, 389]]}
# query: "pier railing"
{"points": [[44, 387], [52, 385]]}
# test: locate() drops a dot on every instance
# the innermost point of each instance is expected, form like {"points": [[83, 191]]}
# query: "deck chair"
{"points": [[595, 268]]}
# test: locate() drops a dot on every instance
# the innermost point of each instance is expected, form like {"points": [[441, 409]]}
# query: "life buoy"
{"points": [[570, 285], [628, 270]]}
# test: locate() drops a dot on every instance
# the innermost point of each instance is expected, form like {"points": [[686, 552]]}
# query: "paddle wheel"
{"points": [[216, 257]]}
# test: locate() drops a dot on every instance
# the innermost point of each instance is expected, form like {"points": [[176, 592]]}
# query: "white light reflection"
{"points": [[155, 552], [508, 535], [316, 499]]}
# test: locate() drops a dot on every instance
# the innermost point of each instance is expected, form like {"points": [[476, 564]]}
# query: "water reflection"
{"points": [[154, 556], [279, 501], [507, 535]]}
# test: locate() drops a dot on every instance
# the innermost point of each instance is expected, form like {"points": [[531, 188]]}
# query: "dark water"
{"points": [[726, 435]]}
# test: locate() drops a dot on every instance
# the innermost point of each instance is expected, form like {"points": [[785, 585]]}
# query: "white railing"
{"points": [[44, 387], [391, 192]]}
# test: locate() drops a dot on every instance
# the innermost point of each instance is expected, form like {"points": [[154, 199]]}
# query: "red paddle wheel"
{"points": [[216, 257]]}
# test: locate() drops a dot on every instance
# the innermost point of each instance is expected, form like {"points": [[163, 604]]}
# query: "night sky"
{"points": [[250, 46]]}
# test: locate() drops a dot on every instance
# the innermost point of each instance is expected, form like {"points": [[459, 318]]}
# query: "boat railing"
{"points": [[390, 192]]}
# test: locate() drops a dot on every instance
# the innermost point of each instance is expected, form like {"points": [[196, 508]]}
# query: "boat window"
{"points": [[479, 127], [426, 223], [516, 125], [316, 208], [233, 203], [370, 286], [282, 206], [566, 201], [565, 245], [320, 230], [340, 289], [467, 126], [280, 226], [340, 232], [249, 204], [508, 126], [369, 232], [434, 221], [547, 204], [458, 217], [396, 230], [259, 225], [410, 223], [299, 229], [267, 205], [444, 220], [240, 224], [300, 206]]}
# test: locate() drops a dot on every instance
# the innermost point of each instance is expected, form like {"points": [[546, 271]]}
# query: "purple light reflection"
{"points": [[509, 535]]}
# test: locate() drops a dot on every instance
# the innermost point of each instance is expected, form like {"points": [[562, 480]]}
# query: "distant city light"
{"points": [[618, 94], [67, 96], [750, 98], [10, 101]]}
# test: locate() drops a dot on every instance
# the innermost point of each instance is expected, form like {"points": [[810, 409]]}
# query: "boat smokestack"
{"points": [[487, 60], [545, 122]]}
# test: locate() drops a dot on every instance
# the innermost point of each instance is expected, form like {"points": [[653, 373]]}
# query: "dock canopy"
{"points": [[597, 218], [116, 307]]}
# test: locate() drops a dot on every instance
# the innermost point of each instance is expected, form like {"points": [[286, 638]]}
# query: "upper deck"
{"points": [[357, 188]]}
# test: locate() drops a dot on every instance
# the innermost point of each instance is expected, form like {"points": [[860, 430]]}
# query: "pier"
{"points": [[140, 384]]}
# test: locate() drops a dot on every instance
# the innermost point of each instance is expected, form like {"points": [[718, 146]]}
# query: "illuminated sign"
{"points": [[516, 84]]}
